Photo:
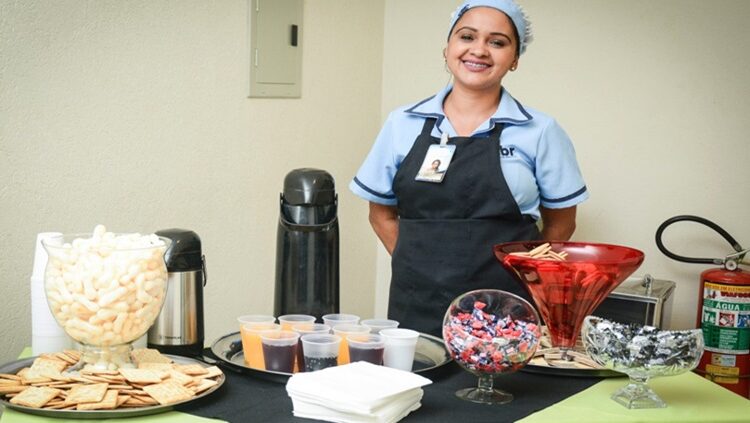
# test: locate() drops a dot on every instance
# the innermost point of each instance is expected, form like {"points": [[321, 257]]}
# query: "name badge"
{"points": [[436, 161]]}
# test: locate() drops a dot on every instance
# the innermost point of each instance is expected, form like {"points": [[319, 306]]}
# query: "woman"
{"points": [[509, 166]]}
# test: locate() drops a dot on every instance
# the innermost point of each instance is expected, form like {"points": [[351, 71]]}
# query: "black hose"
{"points": [[700, 220]]}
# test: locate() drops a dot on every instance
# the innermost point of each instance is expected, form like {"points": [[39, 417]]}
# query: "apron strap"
{"points": [[429, 123]]}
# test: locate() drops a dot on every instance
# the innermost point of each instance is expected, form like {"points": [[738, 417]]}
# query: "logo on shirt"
{"points": [[507, 151]]}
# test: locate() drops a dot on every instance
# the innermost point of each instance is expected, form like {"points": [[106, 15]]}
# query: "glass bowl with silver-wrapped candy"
{"points": [[643, 353]]}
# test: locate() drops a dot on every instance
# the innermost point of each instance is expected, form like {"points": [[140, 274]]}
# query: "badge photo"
{"points": [[435, 163]]}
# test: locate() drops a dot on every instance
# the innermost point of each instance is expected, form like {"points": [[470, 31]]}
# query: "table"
{"points": [[538, 398]]}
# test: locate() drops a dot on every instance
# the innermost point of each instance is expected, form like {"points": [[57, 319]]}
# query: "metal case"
{"points": [[645, 301]]}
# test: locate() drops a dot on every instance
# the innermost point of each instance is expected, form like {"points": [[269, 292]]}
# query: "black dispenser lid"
{"points": [[185, 252], [309, 186]]}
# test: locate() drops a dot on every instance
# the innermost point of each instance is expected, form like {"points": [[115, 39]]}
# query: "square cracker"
{"points": [[109, 402], [29, 376], [35, 396], [168, 392], [9, 376], [149, 355], [64, 357], [180, 377], [47, 363], [121, 399], [86, 393], [140, 375], [204, 385], [73, 354], [211, 371], [7, 389], [164, 367], [191, 369]]}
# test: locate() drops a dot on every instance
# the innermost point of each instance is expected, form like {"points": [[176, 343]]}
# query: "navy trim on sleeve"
{"points": [[375, 193], [567, 197]]}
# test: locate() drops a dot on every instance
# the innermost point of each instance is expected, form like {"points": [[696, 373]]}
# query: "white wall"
{"points": [[654, 94], [135, 115]]}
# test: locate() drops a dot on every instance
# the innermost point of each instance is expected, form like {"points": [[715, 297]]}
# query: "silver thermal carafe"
{"points": [[179, 327], [307, 245]]}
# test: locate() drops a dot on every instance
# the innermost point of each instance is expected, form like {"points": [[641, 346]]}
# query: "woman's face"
{"points": [[481, 49]]}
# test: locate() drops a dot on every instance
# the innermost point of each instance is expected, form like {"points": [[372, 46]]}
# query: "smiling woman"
{"points": [[503, 167]]}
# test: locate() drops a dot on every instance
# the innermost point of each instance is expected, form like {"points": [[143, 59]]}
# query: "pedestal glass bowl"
{"points": [[565, 291], [490, 332], [105, 290], [641, 352]]}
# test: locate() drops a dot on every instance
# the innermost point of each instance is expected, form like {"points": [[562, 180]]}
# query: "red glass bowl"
{"points": [[567, 291]]}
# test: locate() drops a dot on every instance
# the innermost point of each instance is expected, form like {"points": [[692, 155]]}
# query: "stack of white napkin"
{"points": [[356, 392]]}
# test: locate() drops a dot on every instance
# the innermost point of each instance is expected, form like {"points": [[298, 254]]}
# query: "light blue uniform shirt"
{"points": [[537, 157]]}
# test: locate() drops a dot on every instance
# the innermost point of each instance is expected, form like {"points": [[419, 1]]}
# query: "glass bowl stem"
{"points": [[485, 393]]}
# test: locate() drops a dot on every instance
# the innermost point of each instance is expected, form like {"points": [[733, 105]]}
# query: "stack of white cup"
{"points": [[46, 334]]}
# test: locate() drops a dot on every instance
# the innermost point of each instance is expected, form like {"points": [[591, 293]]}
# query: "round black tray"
{"points": [[430, 354]]}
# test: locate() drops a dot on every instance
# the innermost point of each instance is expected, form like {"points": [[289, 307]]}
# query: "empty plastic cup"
{"points": [[279, 350], [400, 345], [304, 329], [376, 325], [252, 348], [288, 320], [336, 319], [344, 331], [367, 347], [320, 350]]}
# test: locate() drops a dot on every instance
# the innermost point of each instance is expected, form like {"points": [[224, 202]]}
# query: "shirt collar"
{"points": [[508, 111]]}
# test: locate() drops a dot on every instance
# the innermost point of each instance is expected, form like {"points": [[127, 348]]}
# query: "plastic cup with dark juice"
{"points": [[376, 325], [345, 331], [304, 329], [368, 348], [320, 351], [279, 350]]}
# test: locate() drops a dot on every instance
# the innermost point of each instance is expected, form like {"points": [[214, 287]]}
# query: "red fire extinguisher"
{"points": [[723, 312]]}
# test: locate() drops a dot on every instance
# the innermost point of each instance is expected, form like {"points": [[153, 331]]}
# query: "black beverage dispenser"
{"points": [[307, 245]]}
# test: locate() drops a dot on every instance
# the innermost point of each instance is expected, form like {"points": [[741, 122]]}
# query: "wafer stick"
{"points": [[542, 252]]}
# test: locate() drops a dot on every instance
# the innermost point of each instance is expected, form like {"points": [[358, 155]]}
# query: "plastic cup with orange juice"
{"points": [[288, 320], [250, 328]]}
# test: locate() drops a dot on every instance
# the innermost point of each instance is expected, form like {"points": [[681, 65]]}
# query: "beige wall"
{"points": [[654, 94], [135, 114]]}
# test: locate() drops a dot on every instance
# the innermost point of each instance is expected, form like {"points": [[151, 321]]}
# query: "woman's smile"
{"points": [[475, 66]]}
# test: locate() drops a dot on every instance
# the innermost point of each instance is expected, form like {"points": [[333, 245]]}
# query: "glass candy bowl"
{"points": [[490, 332], [105, 290], [566, 289], [641, 352]]}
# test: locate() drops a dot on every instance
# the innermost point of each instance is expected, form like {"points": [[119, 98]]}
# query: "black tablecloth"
{"points": [[246, 398]]}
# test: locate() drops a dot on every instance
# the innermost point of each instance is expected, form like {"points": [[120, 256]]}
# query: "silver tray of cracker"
{"points": [[39, 386], [430, 355], [548, 360]]}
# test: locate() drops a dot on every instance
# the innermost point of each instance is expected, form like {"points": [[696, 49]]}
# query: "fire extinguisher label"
{"points": [[726, 318], [722, 374]]}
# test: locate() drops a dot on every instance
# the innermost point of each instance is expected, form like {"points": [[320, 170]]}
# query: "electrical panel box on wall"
{"points": [[275, 48]]}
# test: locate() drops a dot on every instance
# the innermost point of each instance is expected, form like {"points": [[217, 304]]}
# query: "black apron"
{"points": [[446, 231]]}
